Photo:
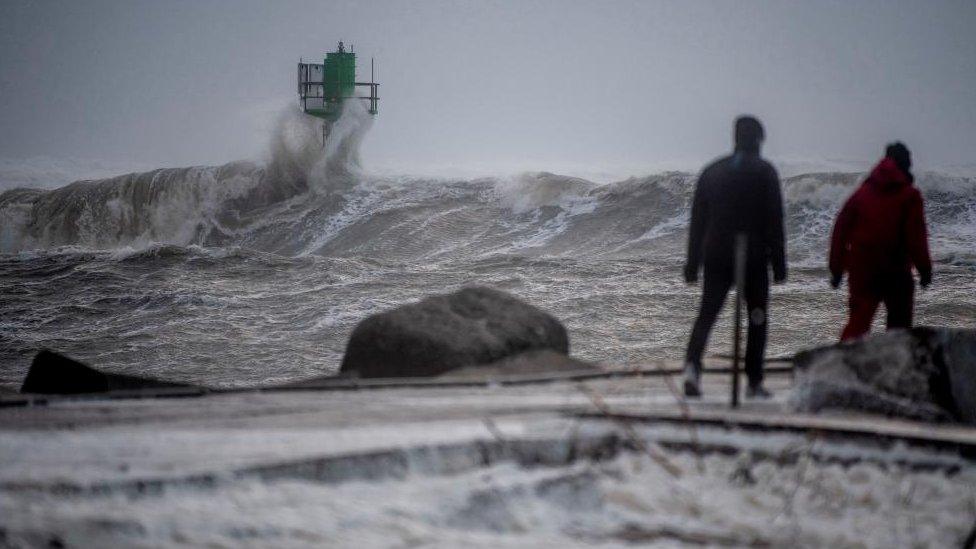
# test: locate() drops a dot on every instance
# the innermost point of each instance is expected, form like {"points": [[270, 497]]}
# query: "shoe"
{"points": [[692, 380], [757, 391]]}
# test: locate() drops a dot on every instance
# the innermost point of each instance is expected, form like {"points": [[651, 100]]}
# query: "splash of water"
{"points": [[196, 205]]}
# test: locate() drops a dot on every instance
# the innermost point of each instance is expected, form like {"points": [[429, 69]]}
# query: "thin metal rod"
{"points": [[740, 278]]}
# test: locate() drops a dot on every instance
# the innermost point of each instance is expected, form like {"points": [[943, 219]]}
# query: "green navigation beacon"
{"points": [[323, 87]]}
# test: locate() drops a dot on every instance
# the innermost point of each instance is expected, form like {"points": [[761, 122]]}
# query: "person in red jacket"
{"points": [[879, 235]]}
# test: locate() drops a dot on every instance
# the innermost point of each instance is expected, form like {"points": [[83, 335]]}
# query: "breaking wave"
{"points": [[309, 199], [252, 273], [206, 206]]}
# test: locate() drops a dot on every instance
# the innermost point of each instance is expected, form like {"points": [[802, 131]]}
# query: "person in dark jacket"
{"points": [[737, 194], [879, 235]]}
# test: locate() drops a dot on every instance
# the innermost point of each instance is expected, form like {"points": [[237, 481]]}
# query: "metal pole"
{"points": [[740, 278]]}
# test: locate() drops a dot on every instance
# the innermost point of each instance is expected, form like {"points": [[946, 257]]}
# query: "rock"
{"points": [[539, 362], [923, 373], [54, 374], [474, 326], [957, 350]]}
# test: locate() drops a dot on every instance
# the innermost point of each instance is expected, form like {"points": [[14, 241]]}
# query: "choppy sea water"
{"points": [[723, 501], [249, 273]]}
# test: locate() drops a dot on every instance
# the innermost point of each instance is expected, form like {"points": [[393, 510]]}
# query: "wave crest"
{"points": [[310, 200], [210, 206]]}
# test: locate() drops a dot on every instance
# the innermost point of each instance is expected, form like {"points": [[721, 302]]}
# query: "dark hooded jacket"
{"points": [[737, 194], [880, 232]]}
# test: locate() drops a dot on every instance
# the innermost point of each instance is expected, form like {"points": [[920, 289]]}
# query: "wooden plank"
{"points": [[356, 384], [942, 435], [8, 401]]}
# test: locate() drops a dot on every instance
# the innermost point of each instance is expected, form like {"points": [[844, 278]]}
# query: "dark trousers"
{"points": [[717, 283], [895, 290]]}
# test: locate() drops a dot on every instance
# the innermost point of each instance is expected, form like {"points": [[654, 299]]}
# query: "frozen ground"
{"points": [[485, 466]]}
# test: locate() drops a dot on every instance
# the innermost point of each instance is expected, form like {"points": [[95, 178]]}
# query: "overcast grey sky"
{"points": [[523, 83]]}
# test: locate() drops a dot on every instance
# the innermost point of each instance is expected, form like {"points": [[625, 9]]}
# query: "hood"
{"points": [[887, 177]]}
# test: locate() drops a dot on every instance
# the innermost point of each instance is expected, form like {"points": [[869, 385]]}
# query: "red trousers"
{"points": [[896, 291]]}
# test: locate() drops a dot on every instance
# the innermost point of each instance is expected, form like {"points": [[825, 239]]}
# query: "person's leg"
{"points": [[757, 301], [714, 289], [863, 305], [899, 300]]}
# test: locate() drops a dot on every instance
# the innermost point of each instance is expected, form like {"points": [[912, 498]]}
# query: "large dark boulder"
{"points": [[922, 373], [54, 374], [473, 326]]}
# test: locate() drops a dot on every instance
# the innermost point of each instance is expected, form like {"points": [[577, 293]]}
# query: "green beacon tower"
{"points": [[324, 87]]}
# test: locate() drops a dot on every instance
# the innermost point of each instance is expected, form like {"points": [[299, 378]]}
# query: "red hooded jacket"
{"points": [[881, 230]]}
